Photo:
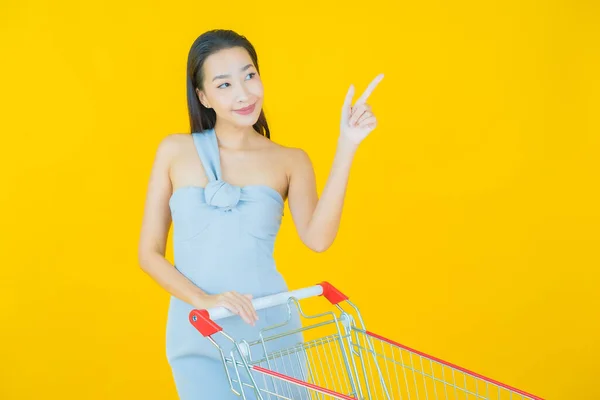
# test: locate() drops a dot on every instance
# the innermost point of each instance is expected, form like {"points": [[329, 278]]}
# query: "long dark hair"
{"points": [[210, 42]]}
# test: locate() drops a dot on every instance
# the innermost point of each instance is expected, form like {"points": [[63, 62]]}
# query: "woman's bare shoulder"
{"points": [[173, 144], [283, 150], [291, 158], [293, 154], [174, 140]]}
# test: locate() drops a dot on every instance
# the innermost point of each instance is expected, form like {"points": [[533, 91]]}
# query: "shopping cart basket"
{"points": [[338, 359]]}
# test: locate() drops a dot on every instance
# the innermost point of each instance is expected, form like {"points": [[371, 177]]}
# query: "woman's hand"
{"points": [[236, 303], [358, 120]]}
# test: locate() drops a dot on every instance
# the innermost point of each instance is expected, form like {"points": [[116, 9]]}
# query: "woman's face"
{"points": [[231, 82]]}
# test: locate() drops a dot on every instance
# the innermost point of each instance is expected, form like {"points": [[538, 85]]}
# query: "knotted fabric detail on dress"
{"points": [[221, 194]]}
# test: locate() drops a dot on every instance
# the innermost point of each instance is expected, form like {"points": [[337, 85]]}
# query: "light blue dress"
{"points": [[223, 240]]}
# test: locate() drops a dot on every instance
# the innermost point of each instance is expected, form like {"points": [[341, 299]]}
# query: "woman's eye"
{"points": [[221, 86]]}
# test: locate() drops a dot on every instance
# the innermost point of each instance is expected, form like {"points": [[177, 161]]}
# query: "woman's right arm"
{"points": [[155, 229], [153, 240]]}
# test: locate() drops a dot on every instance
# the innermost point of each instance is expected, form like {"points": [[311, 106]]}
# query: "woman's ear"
{"points": [[202, 98]]}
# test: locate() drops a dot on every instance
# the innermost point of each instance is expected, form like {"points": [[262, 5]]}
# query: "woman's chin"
{"points": [[246, 120]]}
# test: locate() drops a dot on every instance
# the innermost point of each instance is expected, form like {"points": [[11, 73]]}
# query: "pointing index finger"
{"points": [[363, 97]]}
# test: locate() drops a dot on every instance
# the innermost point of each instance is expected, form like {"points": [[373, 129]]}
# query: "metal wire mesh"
{"points": [[391, 371], [342, 360]]}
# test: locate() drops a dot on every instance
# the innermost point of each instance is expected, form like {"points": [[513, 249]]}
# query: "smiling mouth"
{"points": [[246, 110]]}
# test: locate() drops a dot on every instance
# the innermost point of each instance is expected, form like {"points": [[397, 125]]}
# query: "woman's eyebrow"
{"points": [[229, 76]]}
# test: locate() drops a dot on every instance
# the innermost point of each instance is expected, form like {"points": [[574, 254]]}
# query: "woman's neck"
{"points": [[234, 137]]}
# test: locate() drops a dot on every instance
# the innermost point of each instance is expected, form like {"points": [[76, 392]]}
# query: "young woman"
{"points": [[223, 186]]}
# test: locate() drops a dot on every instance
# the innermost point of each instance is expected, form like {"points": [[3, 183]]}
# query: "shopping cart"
{"points": [[338, 359]]}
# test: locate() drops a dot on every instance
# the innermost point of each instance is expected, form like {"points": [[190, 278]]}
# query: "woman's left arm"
{"points": [[317, 219]]}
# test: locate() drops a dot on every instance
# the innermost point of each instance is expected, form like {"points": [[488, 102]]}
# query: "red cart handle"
{"points": [[332, 294], [204, 320], [200, 319]]}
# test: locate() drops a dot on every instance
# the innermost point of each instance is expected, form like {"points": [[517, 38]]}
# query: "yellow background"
{"points": [[471, 226]]}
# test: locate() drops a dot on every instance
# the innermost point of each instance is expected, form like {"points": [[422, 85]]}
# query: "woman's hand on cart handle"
{"points": [[239, 304], [210, 308]]}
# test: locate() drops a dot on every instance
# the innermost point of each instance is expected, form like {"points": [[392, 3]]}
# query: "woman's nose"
{"points": [[241, 93]]}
